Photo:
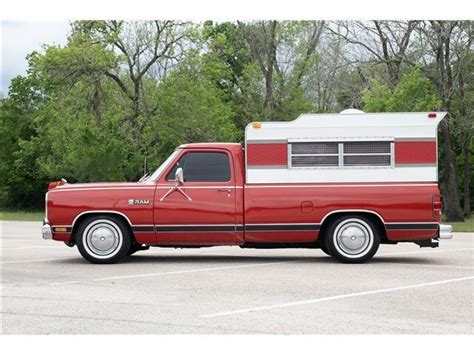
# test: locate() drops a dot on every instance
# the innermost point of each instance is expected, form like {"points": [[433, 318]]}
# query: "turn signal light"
{"points": [[256, 125]]}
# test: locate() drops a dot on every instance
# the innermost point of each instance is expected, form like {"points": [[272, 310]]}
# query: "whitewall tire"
{"points": [[352, 239], [103, 239]]}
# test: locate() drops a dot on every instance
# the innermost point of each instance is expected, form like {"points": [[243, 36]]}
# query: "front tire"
{"points": [[137, 247], [325, 250], [103, 239], [352, 239]]}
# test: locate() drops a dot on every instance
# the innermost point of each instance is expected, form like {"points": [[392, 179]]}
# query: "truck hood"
{"points": [[59, 185]]}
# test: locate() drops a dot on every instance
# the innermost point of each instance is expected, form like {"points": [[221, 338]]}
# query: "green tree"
{"points": [[189, 108], [23, 184], [413, 93]]}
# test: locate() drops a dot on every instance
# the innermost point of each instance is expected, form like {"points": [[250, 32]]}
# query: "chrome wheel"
{"points": [[353, 238], [102, 238]]}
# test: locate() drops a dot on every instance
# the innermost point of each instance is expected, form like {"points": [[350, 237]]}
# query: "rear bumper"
{"points": [[445, 231], [46, 231]]}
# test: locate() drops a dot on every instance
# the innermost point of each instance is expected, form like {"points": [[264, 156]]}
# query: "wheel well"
{"points": [[371, 216], [84, 216]]}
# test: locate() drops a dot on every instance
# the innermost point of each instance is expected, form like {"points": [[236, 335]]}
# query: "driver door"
{"points": [[201, 210]]}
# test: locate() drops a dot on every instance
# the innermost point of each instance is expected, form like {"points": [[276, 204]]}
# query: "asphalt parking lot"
{"points": [[47, 288]]}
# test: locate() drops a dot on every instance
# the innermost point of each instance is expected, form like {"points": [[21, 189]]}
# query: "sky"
{"points": [[20, 38]]}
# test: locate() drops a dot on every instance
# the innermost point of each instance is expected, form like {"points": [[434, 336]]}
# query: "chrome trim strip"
{"points": [[281, 224], [103, 188], [415, 165], [349, 211], [411, 223], [166, 187], [332, 186], [240, 187], [193, 225], [321, 139], [101, 211], [153, 187], [414, 139], [267, 141], [276, 166]]}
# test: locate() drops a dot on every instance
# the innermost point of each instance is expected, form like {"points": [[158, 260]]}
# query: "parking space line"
{"points": [[64, 283], [432, 265], [35, 260], [33, 247], [424, 251], [337, 297], [177, 272]]}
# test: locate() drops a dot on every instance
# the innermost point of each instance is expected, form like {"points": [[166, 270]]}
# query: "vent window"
{"points": [[341, 154]]}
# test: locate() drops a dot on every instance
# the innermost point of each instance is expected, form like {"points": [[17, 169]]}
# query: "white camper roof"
{"points": [[398, 147], [349, 123]]}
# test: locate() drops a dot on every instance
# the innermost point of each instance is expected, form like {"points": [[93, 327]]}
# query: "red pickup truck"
{"points": [[343, 183]]}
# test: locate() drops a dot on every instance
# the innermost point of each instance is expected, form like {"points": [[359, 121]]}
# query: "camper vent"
{"points": [[341, 154]]}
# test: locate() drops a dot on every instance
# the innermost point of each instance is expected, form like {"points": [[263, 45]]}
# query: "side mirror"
{"points": [[178, 176]]}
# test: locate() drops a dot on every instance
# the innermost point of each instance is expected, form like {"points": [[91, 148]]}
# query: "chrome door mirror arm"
{"points": [[179, 180]]}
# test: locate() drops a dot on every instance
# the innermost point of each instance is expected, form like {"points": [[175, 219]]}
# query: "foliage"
{"points": [[413, 93]]}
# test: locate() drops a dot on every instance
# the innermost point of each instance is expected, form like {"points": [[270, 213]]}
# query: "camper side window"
{"points": [[367, 154], [314, 154], [341, 154]]}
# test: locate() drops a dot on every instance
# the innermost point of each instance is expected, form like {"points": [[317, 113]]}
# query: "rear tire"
{"points": [[103, 239], [352, 239]]}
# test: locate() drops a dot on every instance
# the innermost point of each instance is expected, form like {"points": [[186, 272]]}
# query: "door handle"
{"points": [[225, 190]]}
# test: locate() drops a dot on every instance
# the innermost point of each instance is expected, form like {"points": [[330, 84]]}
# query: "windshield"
{"points": [[163, 166]]}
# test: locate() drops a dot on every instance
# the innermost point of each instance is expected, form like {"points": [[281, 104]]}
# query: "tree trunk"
{"points": [[270, 65], [466, 146], [452, 208], [96, 102], [451, 196], [268, 88], [467, 178]]}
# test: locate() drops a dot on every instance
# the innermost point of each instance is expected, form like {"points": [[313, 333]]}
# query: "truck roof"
{"points": [[229, 146]]}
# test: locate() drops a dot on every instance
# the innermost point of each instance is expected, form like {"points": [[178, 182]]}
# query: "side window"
{"points": [[203, 167]]}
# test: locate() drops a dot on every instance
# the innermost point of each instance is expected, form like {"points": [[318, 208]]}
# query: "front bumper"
{"points": [[445, 231], [46, 230]]}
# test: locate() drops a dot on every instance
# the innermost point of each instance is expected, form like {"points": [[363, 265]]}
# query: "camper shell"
{"points": [[351, 146]]}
